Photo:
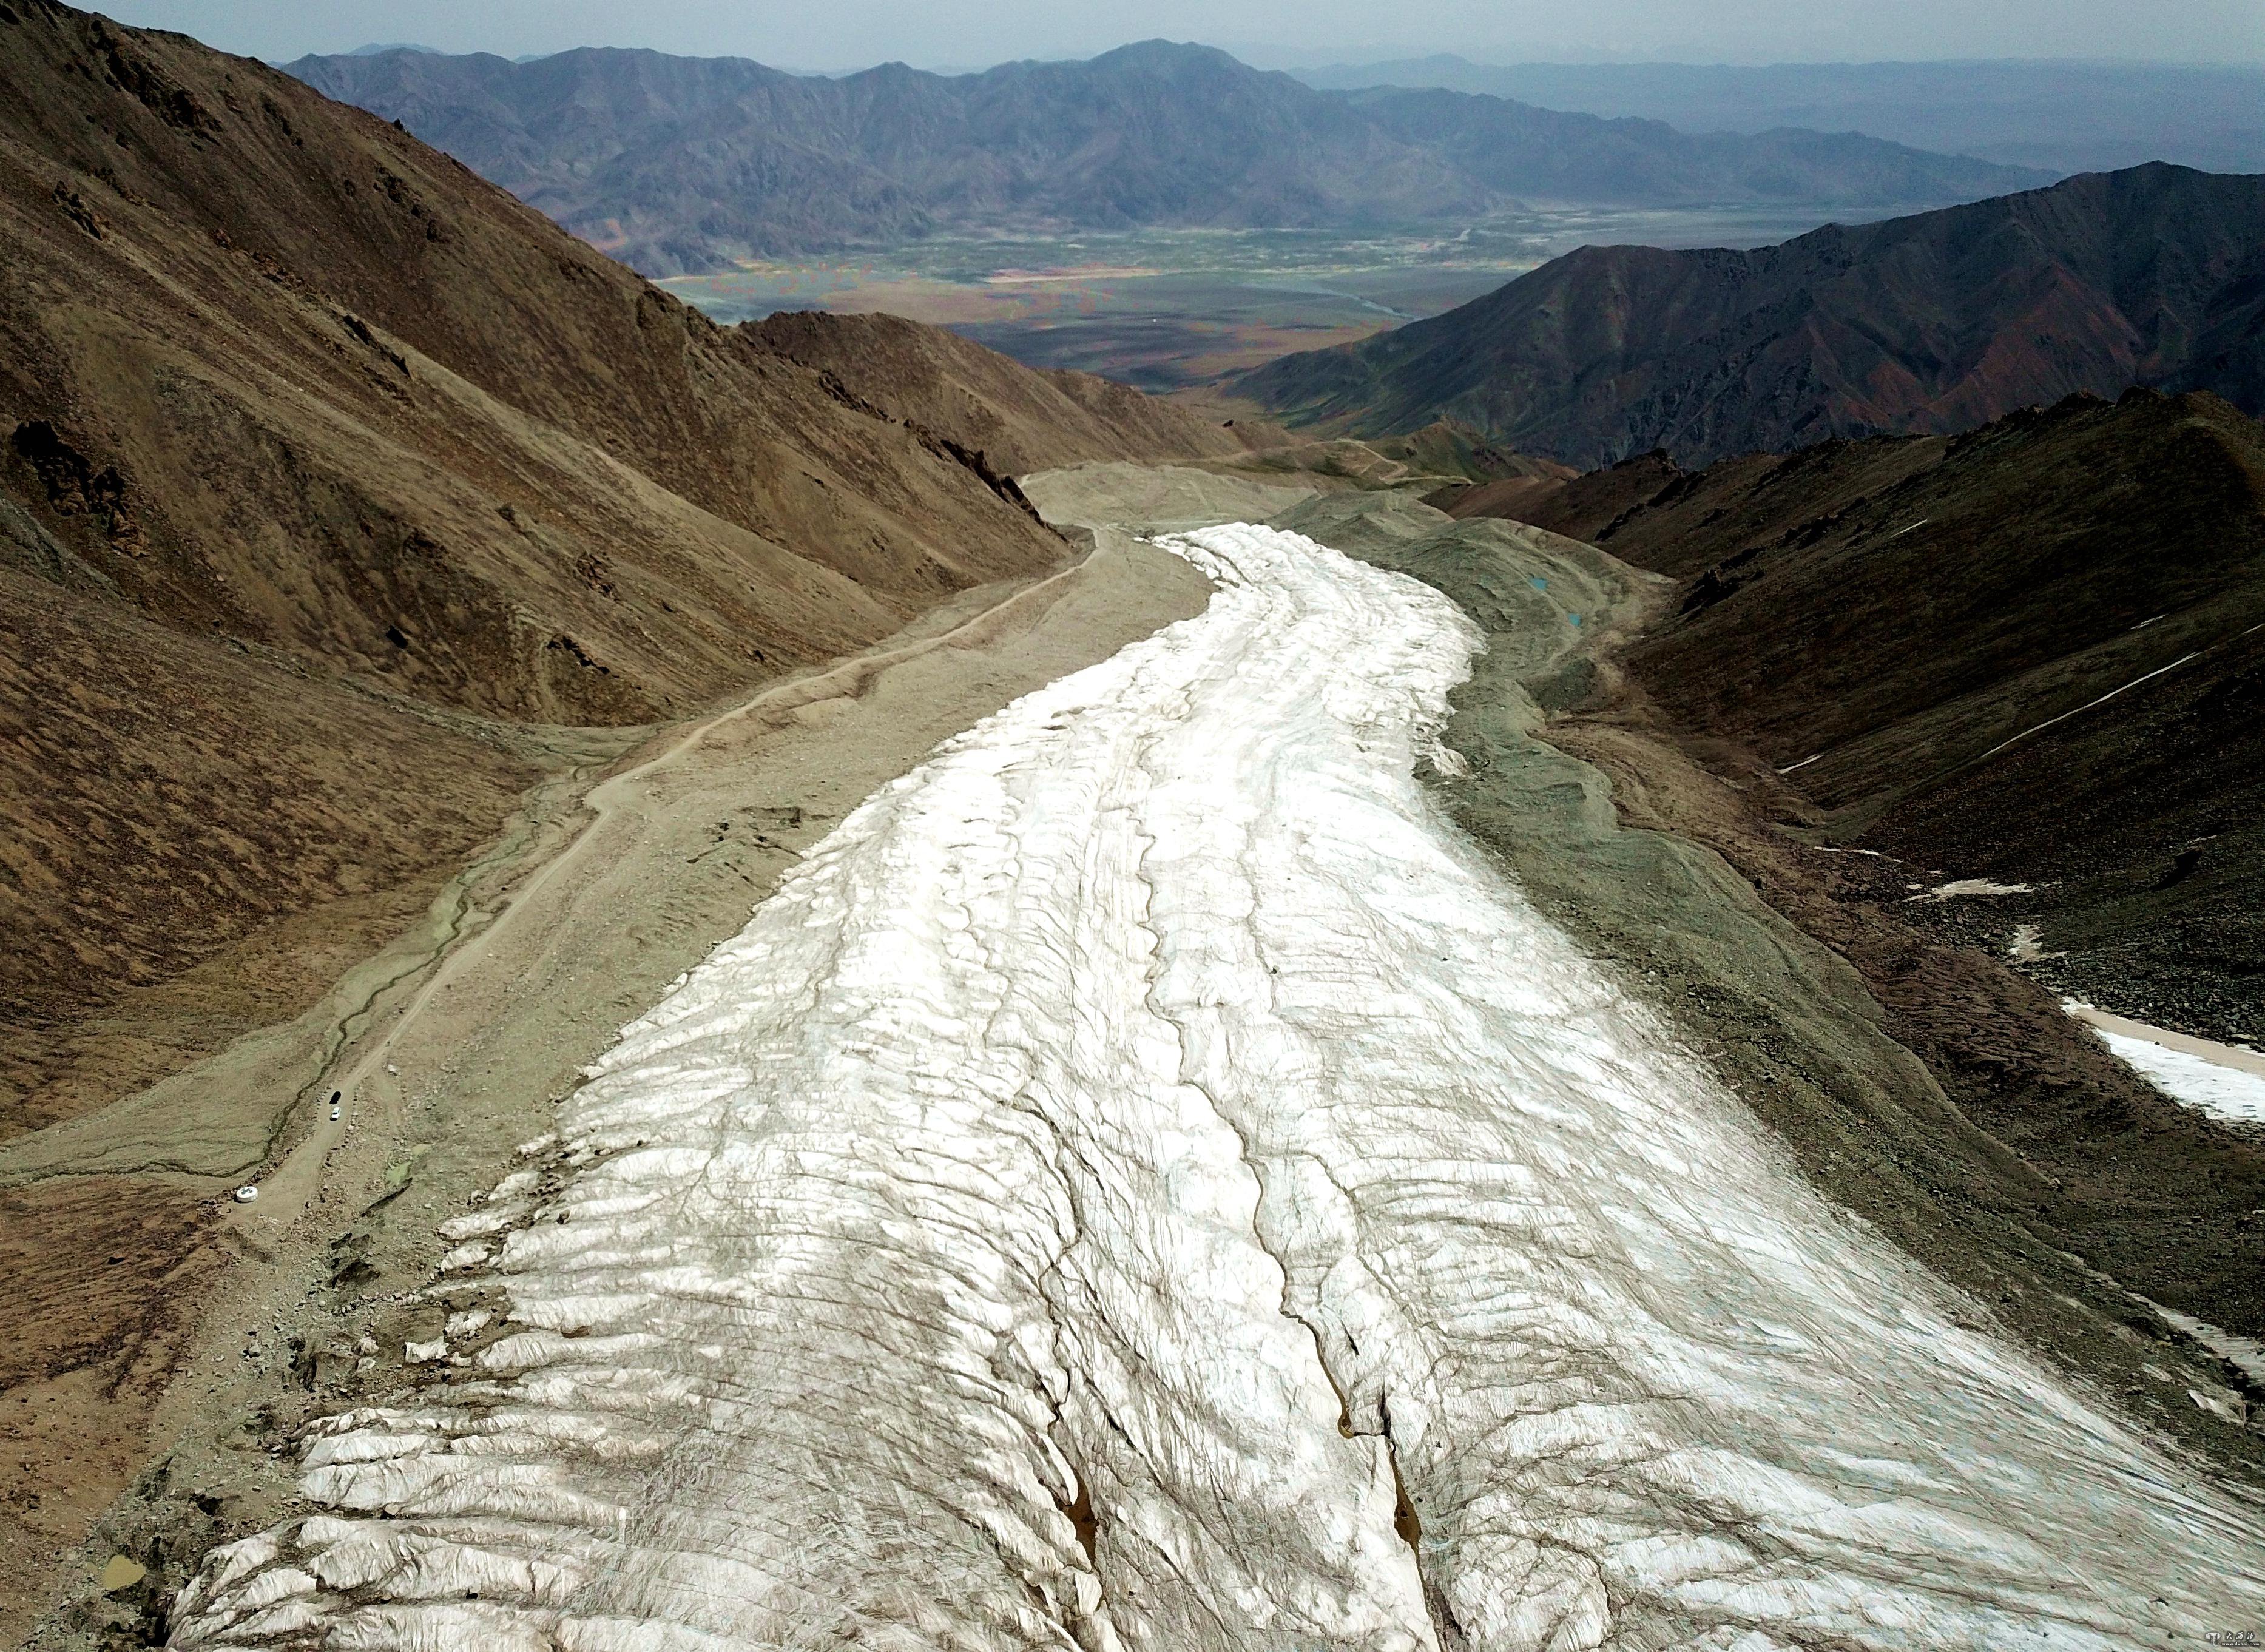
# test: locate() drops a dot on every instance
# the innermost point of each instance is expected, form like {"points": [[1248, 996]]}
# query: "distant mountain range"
{"points": [[1934, 323], [2066, 117], [679, 164]]}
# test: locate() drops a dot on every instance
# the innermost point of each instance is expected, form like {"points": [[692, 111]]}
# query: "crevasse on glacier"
{"points": [[1144, 1181]]}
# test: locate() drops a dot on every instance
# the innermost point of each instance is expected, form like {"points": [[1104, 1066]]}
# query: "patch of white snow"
{"points": [[2246, 1354], [1960, 887], [2224, 1092]]}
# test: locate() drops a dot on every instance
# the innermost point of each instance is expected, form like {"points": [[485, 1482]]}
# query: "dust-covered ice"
{"points": [[1145, 1181]]}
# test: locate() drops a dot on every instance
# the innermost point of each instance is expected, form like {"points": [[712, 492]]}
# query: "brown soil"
{"points": [[173, 816], [100, 1272]]}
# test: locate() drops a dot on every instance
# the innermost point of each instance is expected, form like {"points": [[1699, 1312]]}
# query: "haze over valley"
{"points": [[1171, 310], [2068, 116]]}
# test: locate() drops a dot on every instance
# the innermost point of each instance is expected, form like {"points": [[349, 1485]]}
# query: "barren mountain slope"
{"points": [[1934, 323], [1020, 420], [1580, 506]]}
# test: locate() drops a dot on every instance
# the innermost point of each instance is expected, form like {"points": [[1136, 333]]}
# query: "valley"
{"points": [[1171, 310], [1114, 854], [1110, 1219]]}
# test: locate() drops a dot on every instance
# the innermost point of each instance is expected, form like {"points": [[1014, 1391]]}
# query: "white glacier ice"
{"points": [[1145, 1181]]}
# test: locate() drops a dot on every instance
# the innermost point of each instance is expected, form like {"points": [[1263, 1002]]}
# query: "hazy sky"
{"points": [[853, 33]]}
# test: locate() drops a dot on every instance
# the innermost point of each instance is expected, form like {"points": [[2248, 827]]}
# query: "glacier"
{"points": [[1147, 1180]]}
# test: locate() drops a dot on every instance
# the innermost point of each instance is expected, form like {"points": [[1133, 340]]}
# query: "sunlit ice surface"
{"points": [[1145, 1181]]}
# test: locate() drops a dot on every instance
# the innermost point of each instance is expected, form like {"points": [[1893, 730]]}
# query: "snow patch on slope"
{"points": [[1145, 1181], [2225, 1093]]}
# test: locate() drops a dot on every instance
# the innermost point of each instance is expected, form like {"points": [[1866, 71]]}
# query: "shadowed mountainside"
{"points": [[679, 164], [330, 479], [1923, 636], [1934, 323]]}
